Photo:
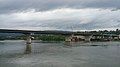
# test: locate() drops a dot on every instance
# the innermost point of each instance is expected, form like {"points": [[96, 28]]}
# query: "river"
{"points": [[58, 54]]}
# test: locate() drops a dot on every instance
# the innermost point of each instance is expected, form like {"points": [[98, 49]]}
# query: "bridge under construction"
{"points": [[71, 36]]}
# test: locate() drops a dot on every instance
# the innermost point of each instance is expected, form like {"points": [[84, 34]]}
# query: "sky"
{"points": [[76, 15]]}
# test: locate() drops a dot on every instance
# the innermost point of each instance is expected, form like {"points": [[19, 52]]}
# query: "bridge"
{"points": [[85, 35], [28, 34], [36, 32]]}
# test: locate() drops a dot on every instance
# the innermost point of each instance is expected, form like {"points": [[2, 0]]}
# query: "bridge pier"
{"points": [[88, 38], [28, 44], [68, 39], [77, 38]]}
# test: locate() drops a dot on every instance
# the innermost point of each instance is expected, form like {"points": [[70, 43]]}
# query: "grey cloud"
{"points": [[7, 6], [102, 19]]}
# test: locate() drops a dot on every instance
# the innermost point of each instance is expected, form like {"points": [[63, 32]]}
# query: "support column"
{"points": [[28, 44]]}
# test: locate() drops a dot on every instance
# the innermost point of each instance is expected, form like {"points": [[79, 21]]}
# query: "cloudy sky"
{"points": [[60, 14]]}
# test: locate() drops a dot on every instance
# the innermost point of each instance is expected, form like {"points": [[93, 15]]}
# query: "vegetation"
{"points": [[49, 37]]}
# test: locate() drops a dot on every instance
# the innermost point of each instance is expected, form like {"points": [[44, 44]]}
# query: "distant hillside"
{"points": [[4, 36]]}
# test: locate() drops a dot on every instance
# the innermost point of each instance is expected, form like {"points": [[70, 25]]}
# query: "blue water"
{"points": [[58, 54]]}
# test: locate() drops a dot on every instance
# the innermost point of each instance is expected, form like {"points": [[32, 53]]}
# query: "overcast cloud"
{"points": [[60, 14]]}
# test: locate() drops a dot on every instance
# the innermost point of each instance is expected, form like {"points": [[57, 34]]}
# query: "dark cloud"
{"points": [[8, 6]]}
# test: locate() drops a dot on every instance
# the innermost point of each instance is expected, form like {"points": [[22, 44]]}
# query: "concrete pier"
{"points": [[78, 38], [87, 38], [68, 39]]}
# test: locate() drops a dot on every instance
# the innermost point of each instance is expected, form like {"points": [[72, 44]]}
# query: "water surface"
{"points": [[58, 54]]}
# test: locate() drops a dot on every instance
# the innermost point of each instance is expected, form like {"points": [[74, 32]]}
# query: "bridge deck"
{"points": [[35, 32]]}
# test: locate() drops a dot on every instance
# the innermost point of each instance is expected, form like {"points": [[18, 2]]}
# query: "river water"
{"points": [[60, 54]]}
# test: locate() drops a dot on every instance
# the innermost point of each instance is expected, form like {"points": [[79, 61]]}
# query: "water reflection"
{"points": [[28, 49]]}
